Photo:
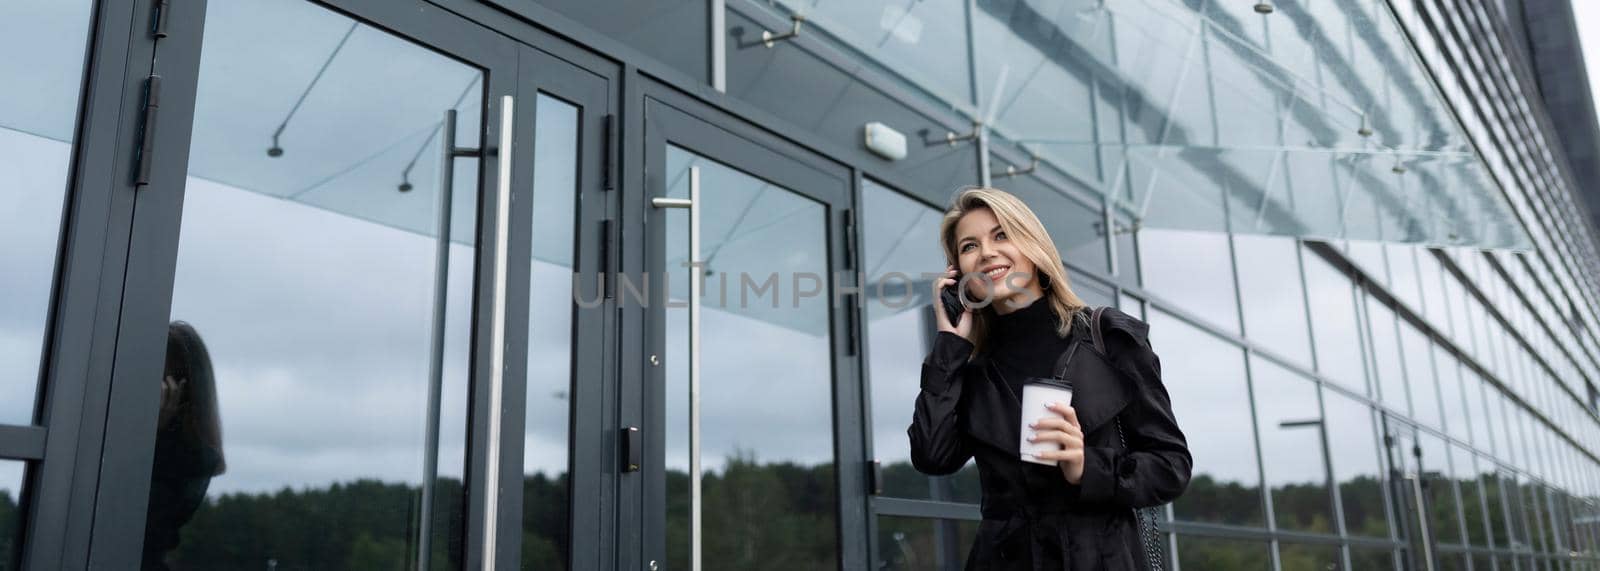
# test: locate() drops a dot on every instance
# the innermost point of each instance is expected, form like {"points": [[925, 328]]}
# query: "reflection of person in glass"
{"points": [[188, 443], [1073, 510]]}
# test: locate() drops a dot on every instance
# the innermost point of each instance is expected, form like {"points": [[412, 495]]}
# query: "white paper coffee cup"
{"points": [[1036, 398]]}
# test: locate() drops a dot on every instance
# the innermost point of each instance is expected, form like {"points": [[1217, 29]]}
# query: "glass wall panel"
{"points": [[1452, 402], [1444, 511], [1369, 256], [38, 119], [1386, 356], [1291, 425], [1403, 281], [1193, 270], [678, 32], [1205, 377], [1434, 300], [1474, 512], [305, 344], [11, 513], [1334, 323], [1460, 328], [546, 450], [1308, 556], [1416, 350], [913, 543], [897, 247], [925, 42], [1365, 557], [1494, 493], [1218, 553], [1353, 440], [1274, 301]]}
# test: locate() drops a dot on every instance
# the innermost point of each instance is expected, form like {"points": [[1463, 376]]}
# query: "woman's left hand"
{"points": [[1063, 430]]}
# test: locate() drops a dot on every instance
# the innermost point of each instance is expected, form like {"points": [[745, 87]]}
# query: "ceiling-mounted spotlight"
{"points": [[1263, 7], [1364, 131]]}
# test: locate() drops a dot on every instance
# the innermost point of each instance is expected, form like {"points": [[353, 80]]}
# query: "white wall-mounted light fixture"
{"points": [[884, 141]]}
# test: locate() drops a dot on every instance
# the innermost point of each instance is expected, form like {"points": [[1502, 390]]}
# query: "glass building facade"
{"points": [[619, 284]]}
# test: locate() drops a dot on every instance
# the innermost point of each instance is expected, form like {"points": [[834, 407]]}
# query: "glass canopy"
{"points": [[1316, 120]]}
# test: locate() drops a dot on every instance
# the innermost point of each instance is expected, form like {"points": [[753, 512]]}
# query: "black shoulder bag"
{"points": [[1148, 534]]}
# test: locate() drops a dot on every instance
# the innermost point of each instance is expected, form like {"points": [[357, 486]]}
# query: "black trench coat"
{"points": [[1032, 517]]}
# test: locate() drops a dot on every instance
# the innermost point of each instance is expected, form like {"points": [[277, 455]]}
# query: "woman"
{"points": [[188, 443], [1077, 513]]}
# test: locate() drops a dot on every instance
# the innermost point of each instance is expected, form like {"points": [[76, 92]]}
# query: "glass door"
{"points": [[750, 402], [326, 360]]}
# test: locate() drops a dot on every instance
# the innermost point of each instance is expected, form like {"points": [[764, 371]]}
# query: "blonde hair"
{"points": [[1023, 228]]}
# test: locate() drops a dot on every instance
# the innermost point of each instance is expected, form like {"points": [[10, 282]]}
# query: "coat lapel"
{"points": [[1098, 389], [994, 413]]}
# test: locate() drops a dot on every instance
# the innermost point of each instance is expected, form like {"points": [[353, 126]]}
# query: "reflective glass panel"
{"points": [[1434, 300], [11, 474], [1205, 378], [1363, 557], [1390, 387], [321, 311], [1274, 302], [925, 42], [1334, 322], [900, 244], [38, 117], [766, 394], [1217, 553], [1418, 354], [1308, 556], [1452, 403], [1306, 128], [1290, 424], [1495, 496], [910, 543], [1352, 438], [1193, 270], [1473, 509], [1444, 511], [545, 449], [1403, 274]]}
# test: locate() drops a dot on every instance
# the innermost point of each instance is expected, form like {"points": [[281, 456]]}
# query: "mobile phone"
{"points": [[952, 304]]}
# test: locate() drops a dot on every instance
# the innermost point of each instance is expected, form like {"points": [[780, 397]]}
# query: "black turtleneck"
{"points": [[1023, 344]]}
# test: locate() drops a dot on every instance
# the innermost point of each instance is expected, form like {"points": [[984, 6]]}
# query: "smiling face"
{"points": [[982, 247]]}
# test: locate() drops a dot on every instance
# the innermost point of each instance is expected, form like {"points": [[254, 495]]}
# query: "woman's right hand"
{"points": [[964, 327]]}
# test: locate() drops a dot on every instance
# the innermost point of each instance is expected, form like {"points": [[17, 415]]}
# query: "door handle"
{"points": [[695, 284], [497, 329]]}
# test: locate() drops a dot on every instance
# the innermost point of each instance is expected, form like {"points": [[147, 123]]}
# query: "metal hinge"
{"points": [[608, 178], [158, 24], [851, 323], [875, 478], [849, 239], [147, 128], [607, 277]]}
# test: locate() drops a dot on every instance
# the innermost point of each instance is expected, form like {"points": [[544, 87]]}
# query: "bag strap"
{"points": [[1066, 356], [1094, 328]]}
